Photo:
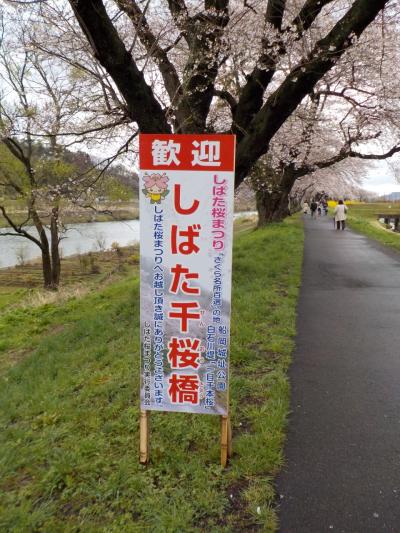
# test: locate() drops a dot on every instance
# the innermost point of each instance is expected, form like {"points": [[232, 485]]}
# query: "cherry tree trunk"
{"points": [[55, 251], [50, 254], [271, 207], [46, 267]]}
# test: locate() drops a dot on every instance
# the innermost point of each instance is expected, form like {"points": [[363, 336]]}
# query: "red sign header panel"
{"points": [[187, 152]]}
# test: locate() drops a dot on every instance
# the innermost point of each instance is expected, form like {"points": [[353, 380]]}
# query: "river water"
{"points": [[78, 239]]}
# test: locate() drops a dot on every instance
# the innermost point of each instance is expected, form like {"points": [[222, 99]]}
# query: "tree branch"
{"points": [[308, 13], [301, 81], [204, 37], [228, 97], [386, 155], [180, 15], [110, 50], [342, 94], [251, 98], [18, 229], [150, 42], [342, 155], [16, 150]]}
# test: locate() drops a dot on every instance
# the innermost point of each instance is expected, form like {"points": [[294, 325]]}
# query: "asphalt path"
{"points": [[342, 454]]}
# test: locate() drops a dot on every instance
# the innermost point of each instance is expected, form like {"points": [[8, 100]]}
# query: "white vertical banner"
{"points": [[186, 222]]}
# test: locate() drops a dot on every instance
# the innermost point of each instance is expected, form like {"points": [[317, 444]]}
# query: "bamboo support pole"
{"points": [[226, 446], [144, 453], [229, 437]]}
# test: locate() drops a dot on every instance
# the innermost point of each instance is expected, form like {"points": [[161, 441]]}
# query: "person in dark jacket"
{"points": [[313, 208]]}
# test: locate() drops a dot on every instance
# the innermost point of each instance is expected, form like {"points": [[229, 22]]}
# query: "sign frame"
{"points": [[170, 166]]}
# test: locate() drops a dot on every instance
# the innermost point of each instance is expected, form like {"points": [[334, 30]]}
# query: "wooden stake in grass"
{"points": [[226, 440], [144, 453]]}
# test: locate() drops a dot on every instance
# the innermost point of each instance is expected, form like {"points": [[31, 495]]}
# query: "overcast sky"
{"points": [[381, 179]]}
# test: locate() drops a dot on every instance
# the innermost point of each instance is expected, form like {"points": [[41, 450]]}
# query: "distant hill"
{"points": [[392, 197]]}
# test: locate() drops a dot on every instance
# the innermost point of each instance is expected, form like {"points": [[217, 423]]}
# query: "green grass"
{"points": [[363, 218], [10, 296], [69, 404]]}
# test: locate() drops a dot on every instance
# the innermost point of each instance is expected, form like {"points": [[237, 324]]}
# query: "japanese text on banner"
{"points": [[186, 208]]}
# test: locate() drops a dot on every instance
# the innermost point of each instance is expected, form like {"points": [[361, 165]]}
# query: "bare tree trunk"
{"points": [[47, 267], [271, 206], [273, 200], [55, 251]]}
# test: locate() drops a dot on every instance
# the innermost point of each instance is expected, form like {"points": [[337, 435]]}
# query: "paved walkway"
{"points": [[343, 448]]}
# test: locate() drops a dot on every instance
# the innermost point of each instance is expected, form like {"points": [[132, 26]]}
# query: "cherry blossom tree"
{"points": [[315, 147], [45, 108], [218, 65], [353, 113], [342, 181]]}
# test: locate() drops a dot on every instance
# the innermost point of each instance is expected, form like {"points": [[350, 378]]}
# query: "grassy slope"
{"points": [[363, 218], [86, 269], [69, 439]]}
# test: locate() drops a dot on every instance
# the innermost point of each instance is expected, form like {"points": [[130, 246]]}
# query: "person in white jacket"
{"points": [[340, 215]]}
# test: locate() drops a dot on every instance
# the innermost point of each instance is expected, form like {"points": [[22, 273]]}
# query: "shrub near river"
{"points": [[69, 404]]}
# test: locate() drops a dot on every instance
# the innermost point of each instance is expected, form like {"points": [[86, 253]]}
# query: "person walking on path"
{"points": [[313, 208], [306, 208], [340, 215]]}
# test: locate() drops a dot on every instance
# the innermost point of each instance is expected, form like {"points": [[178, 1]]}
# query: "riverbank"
{"points": [[79, 268], [106, 211], [77, 239], [363, 218], [69, 399], [72, 214]]}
